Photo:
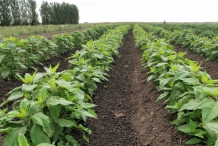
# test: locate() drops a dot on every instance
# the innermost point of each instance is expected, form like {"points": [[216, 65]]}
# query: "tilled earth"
{"points": [[128, 114]]}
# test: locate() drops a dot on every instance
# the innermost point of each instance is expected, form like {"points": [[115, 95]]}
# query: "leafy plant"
{"points": [[16, 56], [188, 91], [49, 104]]}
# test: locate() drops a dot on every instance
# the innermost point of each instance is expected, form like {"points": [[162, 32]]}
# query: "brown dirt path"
{"points": [[127, 112], [211, 67]]}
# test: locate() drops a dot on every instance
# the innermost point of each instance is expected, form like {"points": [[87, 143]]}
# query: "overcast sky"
{"points": [[144, 10]]}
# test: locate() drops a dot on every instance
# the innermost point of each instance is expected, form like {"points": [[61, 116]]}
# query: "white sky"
{"points": [[144, 10]]}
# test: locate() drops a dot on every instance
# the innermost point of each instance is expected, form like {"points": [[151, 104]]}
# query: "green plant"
{"points": [[188, 91], [16, 56], [49, 104]]}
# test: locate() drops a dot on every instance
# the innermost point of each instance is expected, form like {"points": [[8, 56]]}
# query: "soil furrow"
{"points": [[128, 114]]}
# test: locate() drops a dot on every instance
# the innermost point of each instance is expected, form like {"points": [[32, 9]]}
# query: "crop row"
{"points": [[202, 30], [189, 92], [50, 104], [189, 40], [17, 55]]}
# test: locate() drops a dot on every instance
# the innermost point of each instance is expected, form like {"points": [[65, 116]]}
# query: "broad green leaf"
{"points": [[186, 128], [38, 136], [180, 118], [11, 138], [180, 85], [28, 88], [53, 101], [38, 77], [43, 95], [66, 76], [193, 141], [5, 73], [2, 56], [192, 125], [25, 105], [96, 80], [216, 144], [181, 74], [88, 105], [33, 109], [66, 123], [190, 81], [13, 96], [22, 140], [45, 144], [205, 77], [213, 91], [198, 92], [6, 130], [164, 81], [58, 130], [200, 133], [81, 77], [55, 112], [150, 78], [209, 109], [64, 84], [191, 105], [78, 93], [162, 95], [43, 120], [211, 126], [90, 85]]}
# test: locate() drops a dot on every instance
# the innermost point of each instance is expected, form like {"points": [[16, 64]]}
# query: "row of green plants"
{"points": [[187, 39], [17, 55], [189, 92], [49, 105], [202, 29]]}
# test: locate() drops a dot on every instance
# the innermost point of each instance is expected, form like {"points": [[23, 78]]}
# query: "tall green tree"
{"points": [[46, 13], [55, 13], [24, 12], [33, 16], [75, 14], [15, 11], [5, 18], [28, 12]]}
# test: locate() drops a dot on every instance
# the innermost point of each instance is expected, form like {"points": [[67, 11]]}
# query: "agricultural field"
{"points": [[133, 84], [45, 30]]}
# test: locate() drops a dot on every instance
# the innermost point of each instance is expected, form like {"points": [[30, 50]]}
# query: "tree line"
{"points": [[55, 13], [23, 12]]}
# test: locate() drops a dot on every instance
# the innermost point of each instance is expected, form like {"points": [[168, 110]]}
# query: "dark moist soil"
{"points": [[211, 67], [127, 112]]}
